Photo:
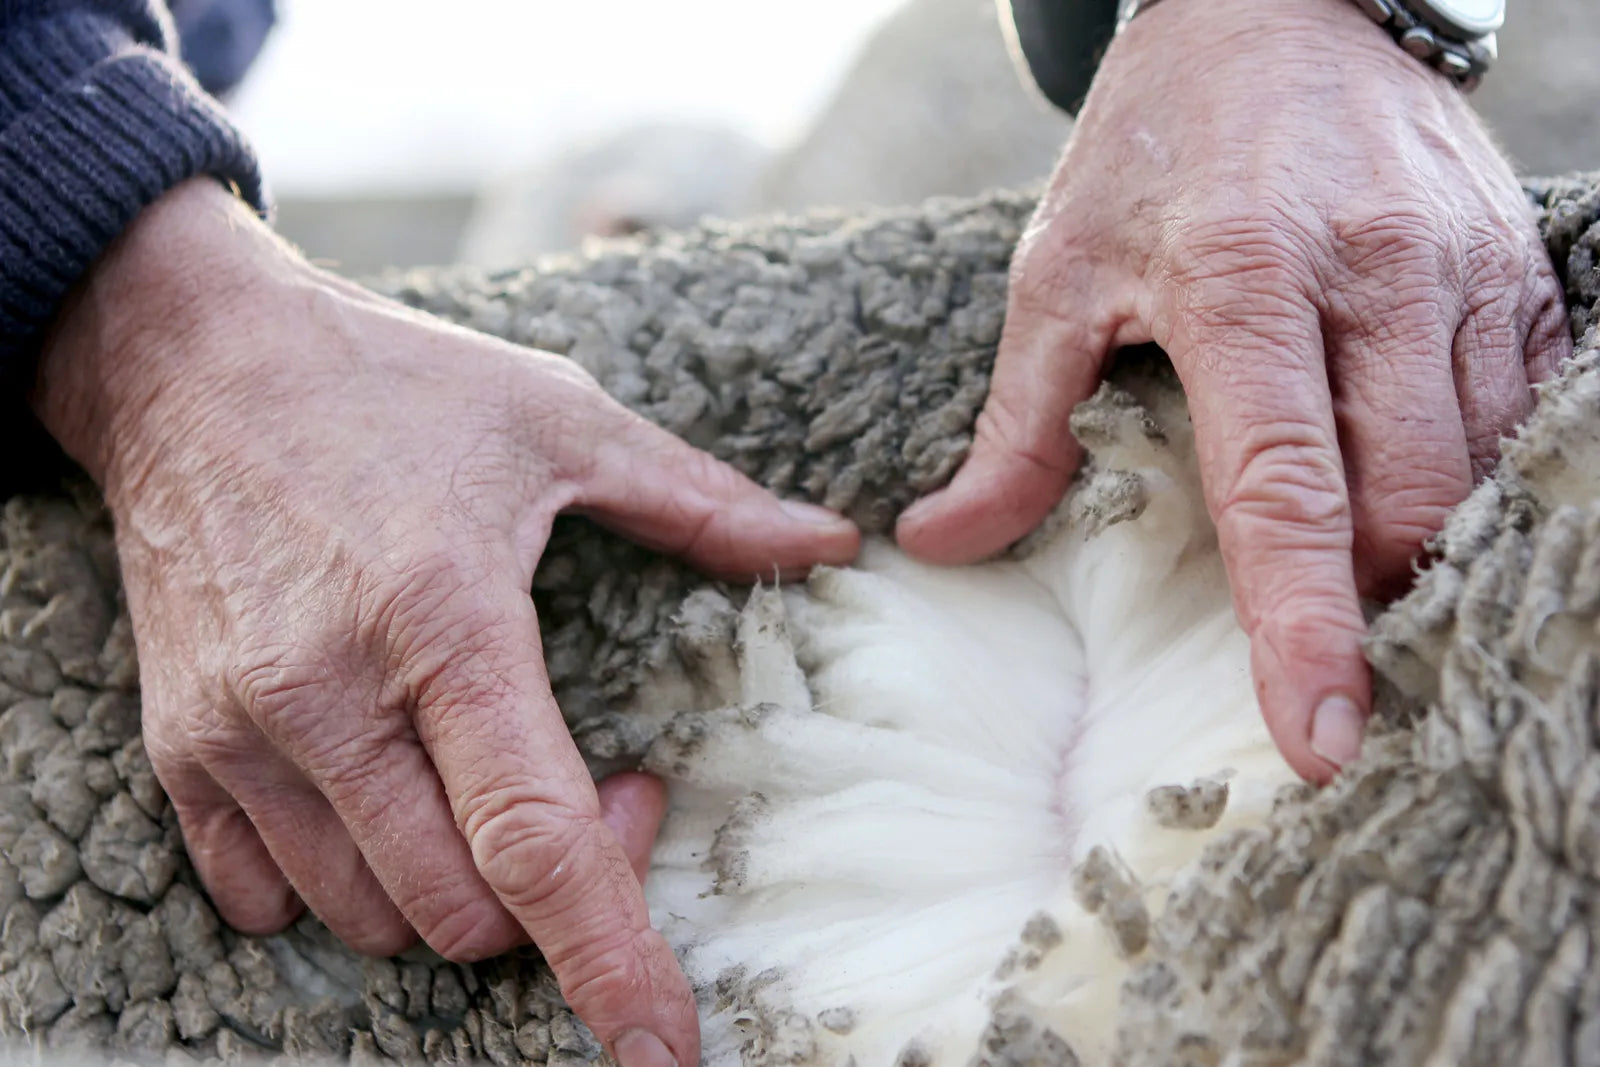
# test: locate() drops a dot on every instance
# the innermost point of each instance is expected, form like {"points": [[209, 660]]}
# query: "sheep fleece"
{"points": [[1438, 904]]}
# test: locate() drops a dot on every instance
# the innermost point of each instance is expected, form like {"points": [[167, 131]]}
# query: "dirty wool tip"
{"points": [[940, 808]]}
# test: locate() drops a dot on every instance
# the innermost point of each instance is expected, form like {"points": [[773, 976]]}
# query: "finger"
{"points": [[310, 845], [1400, 423], [659, 491], [1548, 344], [633, 805], [1248, 347], [532, 818], [1492, 377], [1023, 455], [244, 881], [378, 780], [1512, 336]]}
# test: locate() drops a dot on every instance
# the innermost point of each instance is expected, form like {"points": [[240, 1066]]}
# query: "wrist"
{"points": [[1277, 43], [116, 362], [1321, 34]]}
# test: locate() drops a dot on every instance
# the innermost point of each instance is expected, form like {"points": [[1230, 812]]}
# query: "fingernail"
{"points": [[641, 1048], [811, 514], [1336, 729]]}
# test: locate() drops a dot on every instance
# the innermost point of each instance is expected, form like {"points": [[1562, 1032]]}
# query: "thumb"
{"points": [[1023, 453], [661, 492]]}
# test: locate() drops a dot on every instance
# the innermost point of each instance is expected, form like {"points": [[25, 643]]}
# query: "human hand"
{"points": [[328, 511], [1348, 280]]}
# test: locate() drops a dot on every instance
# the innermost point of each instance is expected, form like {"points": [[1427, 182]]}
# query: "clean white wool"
{"points": [[873, 847]]}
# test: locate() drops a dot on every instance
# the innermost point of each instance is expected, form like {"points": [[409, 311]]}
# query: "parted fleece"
{"points": [[1438, 904]]}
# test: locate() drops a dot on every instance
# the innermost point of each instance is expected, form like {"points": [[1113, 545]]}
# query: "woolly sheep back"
{"points": [[1435, 905]]}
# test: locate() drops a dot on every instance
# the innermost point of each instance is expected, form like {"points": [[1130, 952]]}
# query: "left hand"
{"points": [[328, 513]]}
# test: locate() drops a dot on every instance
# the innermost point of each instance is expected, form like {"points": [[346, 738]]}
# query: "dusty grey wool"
{"points": [[837, 358], [1436, 905]]}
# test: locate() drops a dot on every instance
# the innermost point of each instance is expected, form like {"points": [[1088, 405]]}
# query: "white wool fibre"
{"points": [[919, 758]]}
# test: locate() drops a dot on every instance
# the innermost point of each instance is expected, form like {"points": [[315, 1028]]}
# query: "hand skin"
{"points": [[1341, 266], [328, 511]]}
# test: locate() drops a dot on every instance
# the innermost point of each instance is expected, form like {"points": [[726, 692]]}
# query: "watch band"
{"points": [[1460, 57], [1418, 26], [1127, 9]]}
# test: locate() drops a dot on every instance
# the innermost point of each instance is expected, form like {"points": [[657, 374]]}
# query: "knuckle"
{"points": [[467, 933], [436, 583], [608, 974], [444, 613], [1006, 427], [206, 737], [1546, 292], [294, 704], [428, 571], [1409, 317], [1285, 526], [1223, 243], [1549, 329], [325, 717], [529, 848], [1498, 259], [551, 381], [271, 689], [1046, 273], [1420, 482], [1488, 342], [1417, 473], [1393, 526], [212, 830], [1490, 412], [569, 421], [355, 771], [1483, 452], [702, 536], [1264, 312], [1289, 486], [1391, 336], [1399, 236], [462, 693], [1316, 624], [389, 936], [706, 485]]}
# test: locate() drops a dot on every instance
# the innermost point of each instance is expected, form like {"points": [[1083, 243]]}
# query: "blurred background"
{"points": [[402, 132]]}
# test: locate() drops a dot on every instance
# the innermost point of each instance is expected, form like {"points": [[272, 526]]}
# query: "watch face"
{"points": [[1463, 18]]}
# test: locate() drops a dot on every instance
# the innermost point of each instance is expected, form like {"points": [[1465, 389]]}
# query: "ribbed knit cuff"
{"points": [[1062, 44], [96, 127]]}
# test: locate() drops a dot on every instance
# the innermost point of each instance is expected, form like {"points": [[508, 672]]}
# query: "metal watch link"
{"points": [[1455, 37]]}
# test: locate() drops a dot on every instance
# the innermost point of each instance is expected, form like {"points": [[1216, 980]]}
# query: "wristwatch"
{"points": [[1455, 37]]}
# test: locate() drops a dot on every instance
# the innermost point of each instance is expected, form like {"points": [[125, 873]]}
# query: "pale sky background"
{"points": [[400, 95]]}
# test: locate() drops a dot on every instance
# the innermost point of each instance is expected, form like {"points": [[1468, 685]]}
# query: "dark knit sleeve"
{"points": [[1063, 42], [97, 119]]}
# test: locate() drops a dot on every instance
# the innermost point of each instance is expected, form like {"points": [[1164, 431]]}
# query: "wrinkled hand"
{"points": [[1342, 268], [328, 512]]}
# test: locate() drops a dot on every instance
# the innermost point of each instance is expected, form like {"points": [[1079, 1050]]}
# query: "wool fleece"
{"points": [[1437, 905], [938, 790]]}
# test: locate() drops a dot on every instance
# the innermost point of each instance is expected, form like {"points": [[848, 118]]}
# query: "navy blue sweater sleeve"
{"points": [[97, 119], [1063, 42]]}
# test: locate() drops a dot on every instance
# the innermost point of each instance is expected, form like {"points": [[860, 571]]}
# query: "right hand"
{"points": [[1350, 285], [328, 512]]}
